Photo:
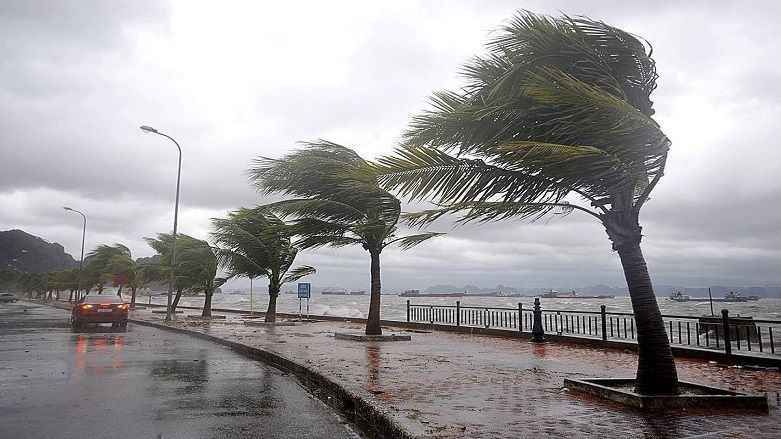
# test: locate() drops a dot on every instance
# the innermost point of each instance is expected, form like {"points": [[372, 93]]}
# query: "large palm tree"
{"points": [[256, 243], [555, 118], [337, 202]]}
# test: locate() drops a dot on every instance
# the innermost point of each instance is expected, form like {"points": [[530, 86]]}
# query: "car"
{"points": [[7, 297], [96, 309]]}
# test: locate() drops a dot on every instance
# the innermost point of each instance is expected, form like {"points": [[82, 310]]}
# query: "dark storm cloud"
{"points": [[234, 82]]}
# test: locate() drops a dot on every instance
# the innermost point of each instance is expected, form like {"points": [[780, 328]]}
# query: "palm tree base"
{"points": [[691, 395]]}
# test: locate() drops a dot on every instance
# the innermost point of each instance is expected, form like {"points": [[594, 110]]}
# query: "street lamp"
{"points": [[148, 129], [81, 261]]}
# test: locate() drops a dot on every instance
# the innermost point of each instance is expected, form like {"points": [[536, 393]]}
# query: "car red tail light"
{"points": [[86, 306], [123, 307]]}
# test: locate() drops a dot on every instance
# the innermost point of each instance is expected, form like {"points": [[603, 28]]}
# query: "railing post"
{"points": [[458, 313], [407, 310], [727, 341], [520, 317], [604, 321], [538, 334]]}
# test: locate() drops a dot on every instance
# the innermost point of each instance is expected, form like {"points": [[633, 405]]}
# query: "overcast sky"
{"points": [[234, 80]]}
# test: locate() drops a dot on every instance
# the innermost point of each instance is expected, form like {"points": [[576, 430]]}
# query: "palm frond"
{"points": [[409, 241], [485, 211], [421, 171], [564, 102], [297, 273]]}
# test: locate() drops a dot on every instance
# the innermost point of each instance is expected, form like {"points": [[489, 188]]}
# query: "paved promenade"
{"points": [[448, 385]]}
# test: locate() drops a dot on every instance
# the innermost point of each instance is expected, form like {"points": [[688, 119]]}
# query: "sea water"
{"points": [[394, 307]]}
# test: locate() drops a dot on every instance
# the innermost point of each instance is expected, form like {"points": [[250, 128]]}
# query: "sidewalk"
{"points": [[449, 385]]}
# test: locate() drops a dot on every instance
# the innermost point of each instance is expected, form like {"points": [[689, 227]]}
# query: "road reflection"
{"points": [[92, 352], [374, 362]]}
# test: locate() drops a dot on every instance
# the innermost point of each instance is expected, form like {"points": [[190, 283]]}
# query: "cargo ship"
{"points": [[553, 294], [730, 297], [342, 292], [417, 293]]}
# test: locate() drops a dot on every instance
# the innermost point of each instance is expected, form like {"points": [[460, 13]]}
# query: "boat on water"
{"points": [[553, 294], [335, 292], [342, 292], [732, 296], [417, 293]]}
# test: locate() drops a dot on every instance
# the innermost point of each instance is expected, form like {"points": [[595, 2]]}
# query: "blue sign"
{"points": [[304, 290]]}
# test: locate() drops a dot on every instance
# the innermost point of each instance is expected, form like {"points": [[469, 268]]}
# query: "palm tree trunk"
{"points": [[133, 297], [271, 311], [373, 320], [656, 373], [207, 302], [175, 303]]}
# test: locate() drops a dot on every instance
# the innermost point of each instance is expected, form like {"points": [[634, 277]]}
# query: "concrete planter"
{"points": [[364, 337], [199, 317], [257, 323], [692, 395]]}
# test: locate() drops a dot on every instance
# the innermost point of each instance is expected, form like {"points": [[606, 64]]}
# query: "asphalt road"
{"points": [[143, 383]]}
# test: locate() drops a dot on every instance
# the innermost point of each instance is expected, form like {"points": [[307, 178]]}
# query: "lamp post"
{"points": [[81, 260], [148, 129]]}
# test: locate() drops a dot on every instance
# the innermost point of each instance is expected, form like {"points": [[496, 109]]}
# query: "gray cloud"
{"points": [[234, 83]]}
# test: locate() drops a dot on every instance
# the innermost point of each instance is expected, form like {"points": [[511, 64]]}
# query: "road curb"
{"points": [[356, 408]]}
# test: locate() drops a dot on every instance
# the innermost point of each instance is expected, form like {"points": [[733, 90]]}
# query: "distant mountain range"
{"points": [[25, 252]]}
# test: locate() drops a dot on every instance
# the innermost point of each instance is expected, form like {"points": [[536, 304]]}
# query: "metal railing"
{"points": [[708, 332]]}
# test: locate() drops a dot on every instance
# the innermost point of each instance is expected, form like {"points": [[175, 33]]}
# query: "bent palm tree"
{"points": [[108, 260], [253, 243], [558, 111], [338, 203], [196, 266]]}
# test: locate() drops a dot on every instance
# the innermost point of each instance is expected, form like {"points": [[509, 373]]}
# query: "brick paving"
{"points": [[449, 385]]}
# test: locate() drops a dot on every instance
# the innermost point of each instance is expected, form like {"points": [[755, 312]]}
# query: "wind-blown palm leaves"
{"points": [[336, 202], [256, 243], [109, 260], [555, 118], [196, 266]]}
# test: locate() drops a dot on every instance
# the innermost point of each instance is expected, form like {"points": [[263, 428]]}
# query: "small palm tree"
{"points": [[196, 267], [109, 260], [256, 243], [338, 202], [556, 118]]}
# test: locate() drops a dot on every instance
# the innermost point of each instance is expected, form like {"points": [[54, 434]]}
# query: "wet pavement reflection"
{"points": [[142, 383], [449, 385]]}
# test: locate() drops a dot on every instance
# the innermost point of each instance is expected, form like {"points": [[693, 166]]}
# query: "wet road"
{"points": [[143, 383]]}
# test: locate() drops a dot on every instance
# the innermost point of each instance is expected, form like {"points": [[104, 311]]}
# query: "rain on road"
{"points": [[142, 383]]}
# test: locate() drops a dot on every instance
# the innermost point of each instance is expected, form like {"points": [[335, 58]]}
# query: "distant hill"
{"points": [[25, 252]]}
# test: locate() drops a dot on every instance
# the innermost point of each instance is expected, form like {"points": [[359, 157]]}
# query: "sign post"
{"points": [[304, 292]]}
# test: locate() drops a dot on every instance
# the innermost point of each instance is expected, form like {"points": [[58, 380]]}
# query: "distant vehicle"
{"points": [[106, 308], [7, 297]]}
